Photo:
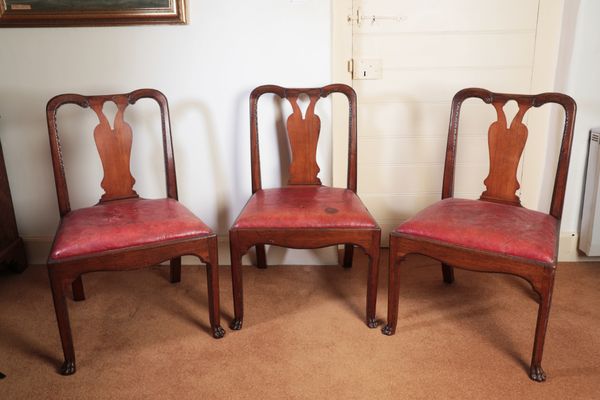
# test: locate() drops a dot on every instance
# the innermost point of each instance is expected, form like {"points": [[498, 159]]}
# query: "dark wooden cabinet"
{"points": [[12, 252]]}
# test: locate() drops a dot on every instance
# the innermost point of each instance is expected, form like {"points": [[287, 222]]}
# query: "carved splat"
{"points": [[506, 146], [303, 134], [114, 148]]}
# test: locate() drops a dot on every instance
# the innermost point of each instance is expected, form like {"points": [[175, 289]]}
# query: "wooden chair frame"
{"points": [[241, 240], [539, 275], [65, 272]]}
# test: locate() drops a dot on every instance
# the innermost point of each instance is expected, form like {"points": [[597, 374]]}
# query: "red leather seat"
{"points": [[486, 226], [305, 207], [124, 224]]}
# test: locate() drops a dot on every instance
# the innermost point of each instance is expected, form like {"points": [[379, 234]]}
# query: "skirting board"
{"points": [[37, 249], [568, 248]]}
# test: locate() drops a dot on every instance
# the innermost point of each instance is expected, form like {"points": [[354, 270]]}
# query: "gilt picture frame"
{"points": [[44, 13]]}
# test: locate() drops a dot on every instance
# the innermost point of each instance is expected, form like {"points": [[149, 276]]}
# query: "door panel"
{"points": [[430, 49]]}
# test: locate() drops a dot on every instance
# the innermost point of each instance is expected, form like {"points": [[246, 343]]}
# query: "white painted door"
{"points": [[430, 49]]}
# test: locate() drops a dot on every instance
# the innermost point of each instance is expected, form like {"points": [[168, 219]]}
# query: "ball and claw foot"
{"points": [[387, 330], [68, 368], [236, 324], [537, 374], [218, 332], [372, 323]]}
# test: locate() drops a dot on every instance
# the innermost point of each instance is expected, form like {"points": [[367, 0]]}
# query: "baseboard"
{"points": [[568, 248], [38, 248]]}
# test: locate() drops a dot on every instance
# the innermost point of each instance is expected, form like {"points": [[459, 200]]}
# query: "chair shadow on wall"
{"points": [[212, 153]]}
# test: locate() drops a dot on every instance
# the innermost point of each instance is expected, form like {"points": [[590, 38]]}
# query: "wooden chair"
{"points": [[304, 214], [494, 233], [122, 231]]}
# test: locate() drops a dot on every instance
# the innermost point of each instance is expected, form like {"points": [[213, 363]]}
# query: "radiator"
{"points": [[589, 240]]}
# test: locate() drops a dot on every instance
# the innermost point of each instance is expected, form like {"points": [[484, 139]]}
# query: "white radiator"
{"points": [[589, 241]]}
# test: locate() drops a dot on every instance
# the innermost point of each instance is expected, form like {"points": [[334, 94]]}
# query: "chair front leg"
{"points": [[58, 282], [372, 280], [393, 287], [348, 255], [212, 279], [236, 282], [175, 270], [77, 287], [544, 289]]}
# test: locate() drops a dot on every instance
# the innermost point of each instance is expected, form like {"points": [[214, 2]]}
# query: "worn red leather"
{"points": [[306, 206], [486, 226], [125, 223]]}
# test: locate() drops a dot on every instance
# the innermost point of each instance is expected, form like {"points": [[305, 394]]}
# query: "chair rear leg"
{"points": [[372, 280], [175, 270], [212, 279], [348, 255], [236, 283], [448, 273], [77, 287], [58, 284], [393, 288], [261, 256], [545, 291]]}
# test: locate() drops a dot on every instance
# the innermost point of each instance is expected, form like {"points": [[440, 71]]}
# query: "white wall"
{"points": [[578, 76], [206, 69]]}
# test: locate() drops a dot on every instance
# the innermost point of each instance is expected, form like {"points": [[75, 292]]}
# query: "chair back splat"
{"points": [[506, 143]]}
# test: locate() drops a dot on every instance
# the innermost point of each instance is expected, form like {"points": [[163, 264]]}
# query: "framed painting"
{"points": [[15, 13]]}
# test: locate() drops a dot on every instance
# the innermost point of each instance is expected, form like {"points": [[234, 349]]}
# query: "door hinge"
{"points": [[351, 66]]}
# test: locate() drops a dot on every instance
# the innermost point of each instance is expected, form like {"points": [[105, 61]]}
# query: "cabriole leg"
{"points": [[212, 279], [236, 282], [372, 280], [393, 288], [545, 291], [57, 284]]}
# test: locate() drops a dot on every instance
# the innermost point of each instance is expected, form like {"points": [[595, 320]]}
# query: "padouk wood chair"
{"points": [[122, 231], [304, 214], [494, 233]]}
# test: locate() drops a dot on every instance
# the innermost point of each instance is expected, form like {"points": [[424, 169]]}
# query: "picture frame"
{"points": [[55, 13]]}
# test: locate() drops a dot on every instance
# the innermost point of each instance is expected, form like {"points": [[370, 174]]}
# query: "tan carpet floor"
{"points": [[139, 337]]}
